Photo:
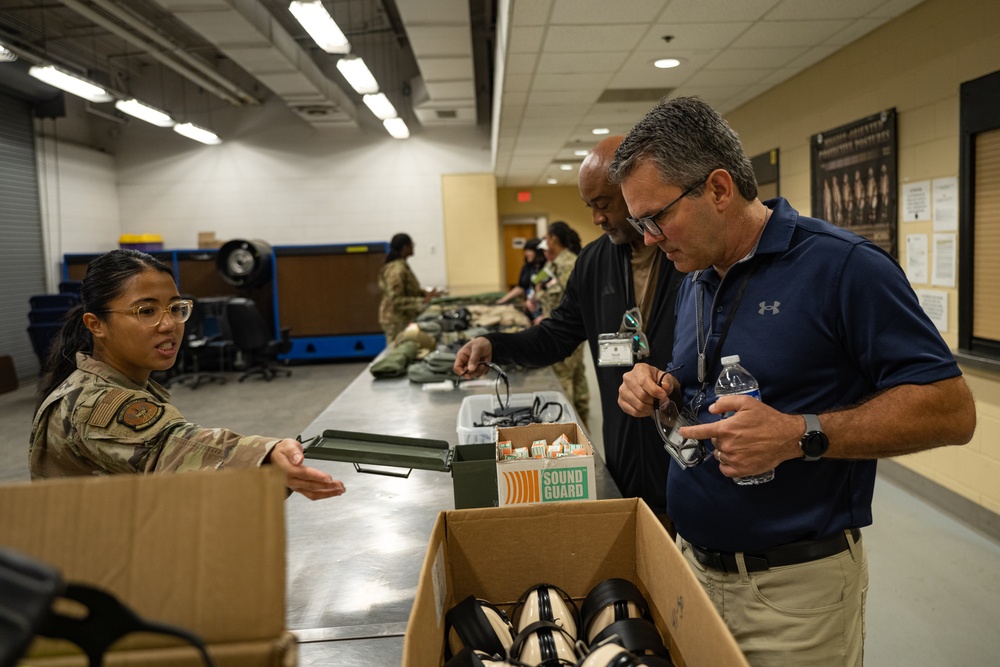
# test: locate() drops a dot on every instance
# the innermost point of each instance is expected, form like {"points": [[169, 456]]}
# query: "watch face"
{"points": [[815, 444]]}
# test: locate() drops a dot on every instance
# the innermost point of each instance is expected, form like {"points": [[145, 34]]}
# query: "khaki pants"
{"points": [[807, 614], [573, 380]]}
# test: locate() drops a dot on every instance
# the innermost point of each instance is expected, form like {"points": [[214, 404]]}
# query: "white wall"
{"points": [[78, 190], [279, 179]]}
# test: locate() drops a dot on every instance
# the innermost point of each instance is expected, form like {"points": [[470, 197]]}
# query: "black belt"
{"points": [[787, 554]]}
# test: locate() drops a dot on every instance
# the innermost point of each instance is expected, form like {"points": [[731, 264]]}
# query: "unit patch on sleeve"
{"points": [[139, 414]]}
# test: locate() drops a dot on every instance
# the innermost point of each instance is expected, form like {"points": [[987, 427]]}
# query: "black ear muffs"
{"points": [[468, 657], [609, 601], [477, 624], [544, 644], [638, 635], [545, 602], [609, 654]]}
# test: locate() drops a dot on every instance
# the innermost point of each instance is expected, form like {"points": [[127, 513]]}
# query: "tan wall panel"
{"points": [[471, 233]]}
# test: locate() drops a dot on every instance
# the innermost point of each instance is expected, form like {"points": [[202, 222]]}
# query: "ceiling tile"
{"points": [[756, 58], [796, 10], [856, 30], [702, 11], [441, 12], [549, 82], [581, 63], [446, 68], [602, 12], [573, 39], [530, 12], [576, 97], [525, 40], [521, 63], [789, 33], [440, 40], [688, 36]]}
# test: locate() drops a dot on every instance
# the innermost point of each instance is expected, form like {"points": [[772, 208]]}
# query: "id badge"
{"points": [[614, 350]]}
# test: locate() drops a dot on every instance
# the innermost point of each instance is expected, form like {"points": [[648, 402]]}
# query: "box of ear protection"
{"points": [[497, 553], [546, 478]]}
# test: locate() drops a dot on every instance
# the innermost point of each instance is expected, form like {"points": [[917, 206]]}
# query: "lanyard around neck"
{"points": [[699, 309]]}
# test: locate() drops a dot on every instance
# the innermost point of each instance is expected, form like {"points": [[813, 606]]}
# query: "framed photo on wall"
{"points": [[854, 177]]}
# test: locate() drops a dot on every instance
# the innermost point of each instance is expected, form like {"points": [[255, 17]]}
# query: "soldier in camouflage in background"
{"points": [[402, 296], [561, 246], [100, 413]]}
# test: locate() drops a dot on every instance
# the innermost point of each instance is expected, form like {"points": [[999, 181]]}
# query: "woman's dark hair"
{"points": [[568, 238], [396, 245], [532, 244], [107, 278]]}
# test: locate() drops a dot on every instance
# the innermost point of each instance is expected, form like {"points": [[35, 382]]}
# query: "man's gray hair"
{"points": [[686, 139]]}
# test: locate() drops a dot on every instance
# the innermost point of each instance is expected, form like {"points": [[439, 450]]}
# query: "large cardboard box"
{"points": [[525, 481], [498, 553], [203, 550]]}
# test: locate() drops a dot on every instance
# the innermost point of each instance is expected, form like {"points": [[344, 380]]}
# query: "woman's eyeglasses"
{"points": [[151, 316]]}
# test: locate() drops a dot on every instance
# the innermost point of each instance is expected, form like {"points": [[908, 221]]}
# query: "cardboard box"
{"points": [[498, 553], [202, 550], [526, 481], [207, 240]]}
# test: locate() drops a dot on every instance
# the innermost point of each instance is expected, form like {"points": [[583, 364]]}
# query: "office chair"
{"points": [[252, 336], [193, 345]]}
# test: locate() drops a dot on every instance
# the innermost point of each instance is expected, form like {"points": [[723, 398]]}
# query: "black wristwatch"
{"points": [[814, 443]]}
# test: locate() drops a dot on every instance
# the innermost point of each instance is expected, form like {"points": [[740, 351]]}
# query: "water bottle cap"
{"points": [[731, 359]]}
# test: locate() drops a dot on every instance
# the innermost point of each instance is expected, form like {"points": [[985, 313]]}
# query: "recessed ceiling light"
{"points": [[666, 63], [566, 167], [552, 181], [601, 130], [581, 153]]}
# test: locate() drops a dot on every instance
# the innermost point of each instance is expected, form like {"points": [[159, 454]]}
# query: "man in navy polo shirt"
{"points": [[850, 370]]}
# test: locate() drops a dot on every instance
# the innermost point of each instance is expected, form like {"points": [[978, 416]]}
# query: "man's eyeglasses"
{"points": [[632, 322], [688, 452], [648, 223], [151, 316]]}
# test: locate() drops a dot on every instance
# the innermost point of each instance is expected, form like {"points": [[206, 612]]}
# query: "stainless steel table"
{"points": [[354, 561]]}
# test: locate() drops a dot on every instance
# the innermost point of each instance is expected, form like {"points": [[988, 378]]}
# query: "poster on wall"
{"points": [[854, 177]]}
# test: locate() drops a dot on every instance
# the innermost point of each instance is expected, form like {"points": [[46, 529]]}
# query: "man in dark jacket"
{"points": [[613, 274]]}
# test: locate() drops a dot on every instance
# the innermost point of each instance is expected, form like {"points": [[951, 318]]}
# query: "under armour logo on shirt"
{"points": [[773, 308], [608, 290]]}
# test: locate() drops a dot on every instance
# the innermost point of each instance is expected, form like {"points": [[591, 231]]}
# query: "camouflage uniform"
{"points": [[570, 370], [402, 297], [98, 422]]}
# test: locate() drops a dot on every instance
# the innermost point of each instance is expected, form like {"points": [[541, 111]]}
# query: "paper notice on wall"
{"points": [[946, 204], [945, 260], [935, 304], [916, 258], [916, 201]]}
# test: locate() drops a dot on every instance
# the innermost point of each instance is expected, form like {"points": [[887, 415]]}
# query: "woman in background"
{"points": [[99, 412], [402, 296], [534, 260], [561, 247]]}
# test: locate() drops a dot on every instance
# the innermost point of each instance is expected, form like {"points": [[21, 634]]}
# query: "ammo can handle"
{"points": [[387, 473]]}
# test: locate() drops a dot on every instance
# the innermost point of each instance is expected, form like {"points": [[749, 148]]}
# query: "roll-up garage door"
{"points": [[22, 266]]}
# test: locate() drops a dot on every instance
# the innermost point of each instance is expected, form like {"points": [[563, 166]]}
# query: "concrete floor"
{"points": [[934, 597]]}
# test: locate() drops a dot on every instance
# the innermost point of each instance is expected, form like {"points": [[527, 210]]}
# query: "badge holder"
{"points": [[615, 349]]}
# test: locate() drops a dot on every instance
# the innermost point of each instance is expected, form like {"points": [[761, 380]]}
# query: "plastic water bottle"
{"points": [[734, 380]]}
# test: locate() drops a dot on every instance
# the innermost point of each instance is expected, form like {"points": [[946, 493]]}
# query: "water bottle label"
{"points": [[755, 393]]}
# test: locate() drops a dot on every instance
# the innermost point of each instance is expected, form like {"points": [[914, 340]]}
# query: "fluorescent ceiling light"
{"points": [[581, 153], [600, 130], [566, 167], [70, 83], [320, 26], [552, 181], [666, 63], [358, 75], [6, 55], [197, 133], [380, 106], [136, 108], [396, 127]]}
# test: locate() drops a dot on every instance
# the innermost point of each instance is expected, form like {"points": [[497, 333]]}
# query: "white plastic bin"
{"points": [[471, 412]]}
